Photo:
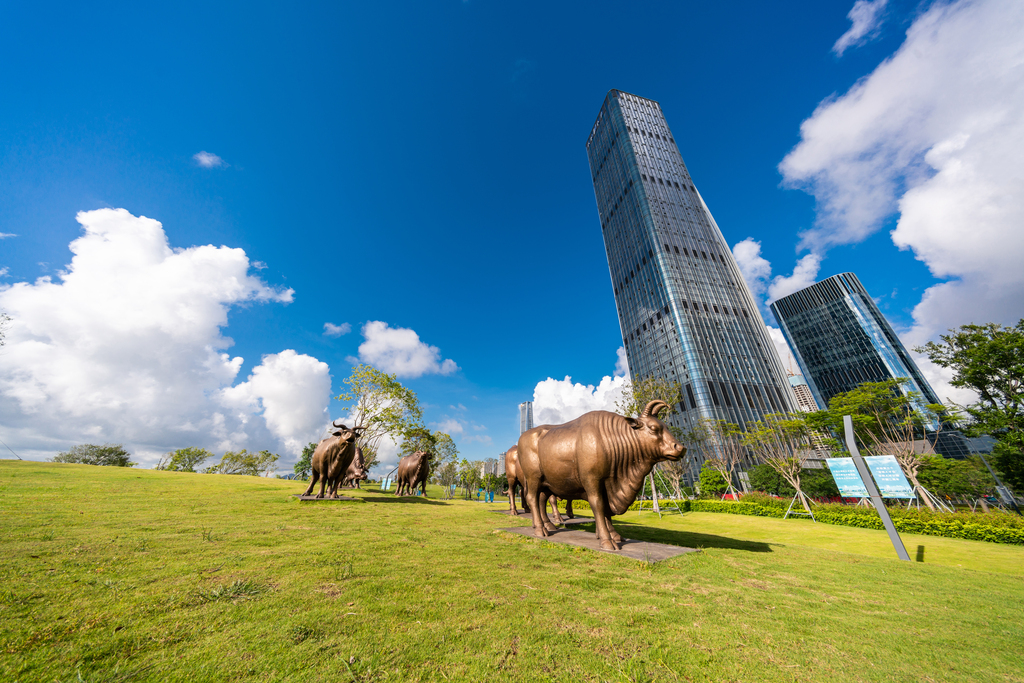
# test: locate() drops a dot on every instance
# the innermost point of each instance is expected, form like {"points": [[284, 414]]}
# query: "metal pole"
{"points": [[869, 484]]}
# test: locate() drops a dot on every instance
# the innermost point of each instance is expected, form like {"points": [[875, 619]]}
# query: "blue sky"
{"points": [[422, 164]]}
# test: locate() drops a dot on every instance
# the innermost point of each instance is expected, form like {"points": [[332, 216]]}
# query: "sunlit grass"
{"points": [[111, 574]]}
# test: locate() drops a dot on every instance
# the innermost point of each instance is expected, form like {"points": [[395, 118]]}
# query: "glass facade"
{"points": [[841, 339], [685, 311], [526, 416]]}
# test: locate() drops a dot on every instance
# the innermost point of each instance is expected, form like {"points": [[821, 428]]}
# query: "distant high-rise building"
{"points": [[841, 340], [525, 416], [685, 311], [804, 397]]}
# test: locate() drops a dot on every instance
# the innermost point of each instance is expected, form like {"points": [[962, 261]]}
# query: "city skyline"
{"points": [[198, 242]]}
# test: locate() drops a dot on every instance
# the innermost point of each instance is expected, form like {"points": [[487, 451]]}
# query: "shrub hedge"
{"points": [[993, 527]]}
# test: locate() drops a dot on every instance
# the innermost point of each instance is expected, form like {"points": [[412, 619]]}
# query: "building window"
{"points": [[676, 248]]}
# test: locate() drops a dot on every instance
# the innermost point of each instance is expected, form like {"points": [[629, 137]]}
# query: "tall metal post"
{"points": [[869, 484]]}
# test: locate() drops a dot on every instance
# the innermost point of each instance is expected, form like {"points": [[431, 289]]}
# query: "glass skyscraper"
{"points": [[841, 339], [526, 416], [685, 311]]}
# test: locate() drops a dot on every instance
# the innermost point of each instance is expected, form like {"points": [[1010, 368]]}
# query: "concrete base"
{"points": [[636, 550], [565, 520], [322, 500]]}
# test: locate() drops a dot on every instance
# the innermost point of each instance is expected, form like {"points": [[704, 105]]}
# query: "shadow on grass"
{"points": [[687, 539], [391, 498]]}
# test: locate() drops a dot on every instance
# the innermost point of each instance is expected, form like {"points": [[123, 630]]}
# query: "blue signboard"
{"points": [[847, 478], [888, 474]]}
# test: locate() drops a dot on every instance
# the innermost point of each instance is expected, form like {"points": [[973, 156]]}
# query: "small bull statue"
{"points": [[600, 457], [357, 471], [332, 458], [413, 471]]}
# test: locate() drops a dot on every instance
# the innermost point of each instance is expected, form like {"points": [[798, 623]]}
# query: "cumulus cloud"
{"points": [[209, 160], [399, 350], [621, 363], [125, 344], [804, 274], [935, 133], [755, 268], [559, 400], [450, 426], [332, 330], [866, 18]]}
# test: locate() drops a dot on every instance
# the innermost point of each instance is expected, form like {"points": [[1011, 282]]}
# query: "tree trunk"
{"points": [[919, 490]]}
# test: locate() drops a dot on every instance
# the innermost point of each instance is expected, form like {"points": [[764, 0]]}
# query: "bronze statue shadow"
{"points": [[408, 500], [687, 539]]}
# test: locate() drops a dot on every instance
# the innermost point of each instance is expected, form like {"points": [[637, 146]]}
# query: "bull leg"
{"points": [[543, 502], [512, 498], [599, 506], [535, 512], [555, 516], [522, 497], [612, 533], [312, 483], [568, 509], [424, 488]]}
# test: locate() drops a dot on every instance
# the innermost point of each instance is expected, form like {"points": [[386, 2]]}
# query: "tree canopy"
{"points": [[107, 455], [989, 359], [184, 459], [380, 403], [245, 463]]}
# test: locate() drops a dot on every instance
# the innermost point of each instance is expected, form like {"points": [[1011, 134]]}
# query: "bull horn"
{"points": [[653, 408], [335, 424], [359, 428]]}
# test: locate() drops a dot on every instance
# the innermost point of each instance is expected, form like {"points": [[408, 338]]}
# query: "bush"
{"points": [[992, 527], [107, 455], [711, 481], [815, 483]]}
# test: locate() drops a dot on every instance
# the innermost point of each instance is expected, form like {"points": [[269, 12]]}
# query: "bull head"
{"points": [[650, 429]]}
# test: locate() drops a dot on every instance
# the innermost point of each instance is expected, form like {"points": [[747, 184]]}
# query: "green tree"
{"points": [[245, 463], [107, 455], [782, 441], [953, 478], [887, 420], [304, 467], [711, 481], [989, 359], [184, 459], [380, 404]]}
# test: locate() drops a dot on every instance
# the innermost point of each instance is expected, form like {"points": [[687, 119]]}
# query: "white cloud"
{"points": [[621, 363], [5, 235], [292, 390], [5, 271], [399, 350], [332, 330], [450, 426], [125, 345], [935, 133], [559, 400], [755, 268], [782, 348], [866, 17], [804, 273], [209, 160]]}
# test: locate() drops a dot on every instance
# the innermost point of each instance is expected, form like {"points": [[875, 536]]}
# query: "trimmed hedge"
{"points": [[991, 527]]}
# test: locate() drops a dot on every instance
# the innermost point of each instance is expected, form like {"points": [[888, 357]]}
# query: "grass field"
{"points": [[136, 575]]}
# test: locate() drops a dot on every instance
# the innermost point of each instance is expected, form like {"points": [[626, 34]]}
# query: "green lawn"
{"points": [[118, 575]]}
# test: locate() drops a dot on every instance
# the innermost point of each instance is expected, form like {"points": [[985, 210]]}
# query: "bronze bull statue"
{"points": [[413, 471], [356, 471], [332, 458], [600, 457], [514, 476]]}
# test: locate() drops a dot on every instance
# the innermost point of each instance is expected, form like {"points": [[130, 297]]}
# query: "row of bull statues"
{"points": [[338, 461], [600, 457]]}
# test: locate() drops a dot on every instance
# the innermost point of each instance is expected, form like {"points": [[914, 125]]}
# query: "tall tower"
{"points": [[841, 339], [685, 311], [525, 416]]}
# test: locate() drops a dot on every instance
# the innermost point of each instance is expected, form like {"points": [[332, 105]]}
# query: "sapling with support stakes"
{"points": [[782, 441]]}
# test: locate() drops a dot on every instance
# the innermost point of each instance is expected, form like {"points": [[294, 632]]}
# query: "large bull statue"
{"points": [[332, 458], [413, 471], [600, 457], [357, 471]]}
